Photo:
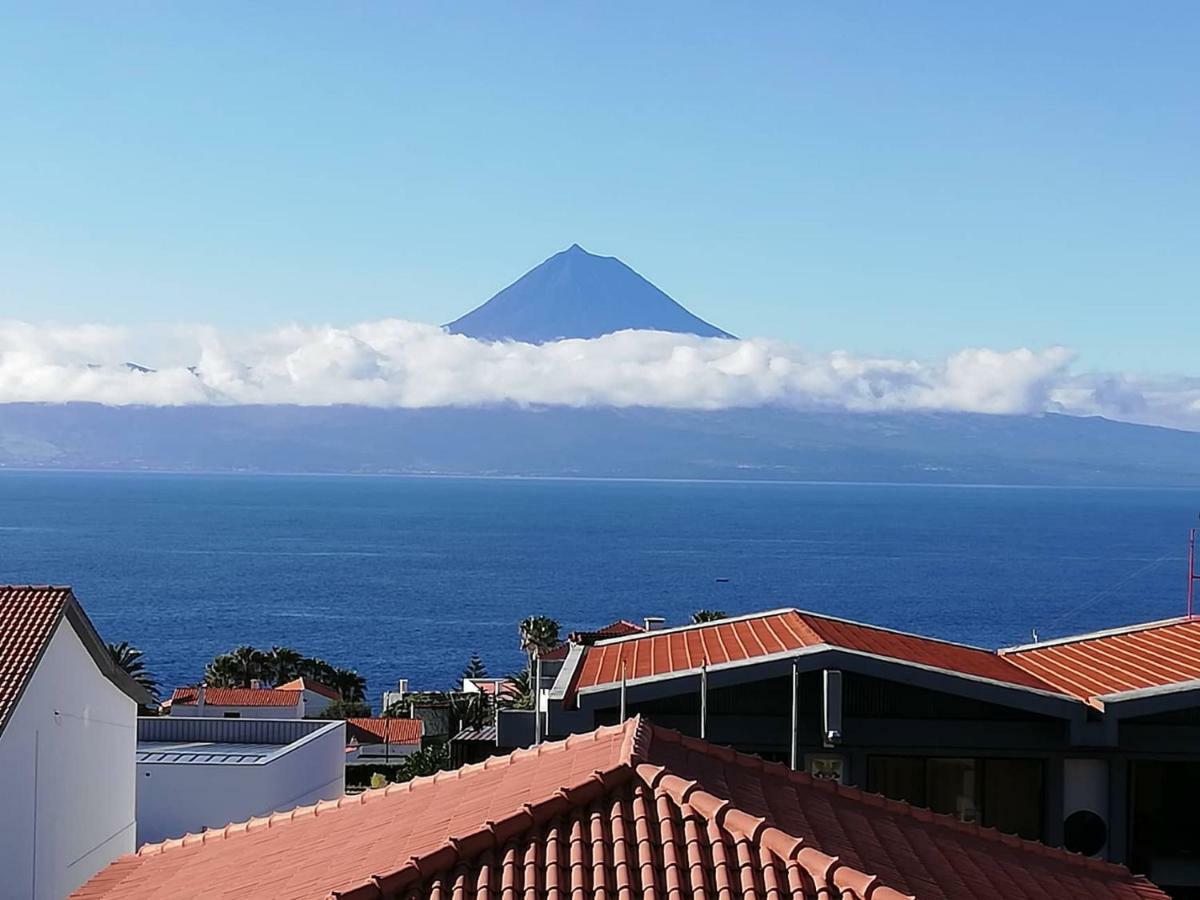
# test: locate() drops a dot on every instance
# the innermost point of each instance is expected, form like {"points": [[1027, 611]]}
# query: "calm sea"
{"points": [[405, 577]]}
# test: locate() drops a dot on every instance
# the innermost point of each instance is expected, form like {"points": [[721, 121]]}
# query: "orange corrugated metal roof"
{"points": [[621, 811], [781, 631], [218, 696], [385, 730], [28, 617], [1128, 659]]}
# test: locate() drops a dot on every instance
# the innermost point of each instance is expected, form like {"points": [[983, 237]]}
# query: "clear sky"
{"points": [[895, 178]]}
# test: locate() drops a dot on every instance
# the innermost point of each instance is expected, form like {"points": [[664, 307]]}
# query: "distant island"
{"points": [[604, 442]]}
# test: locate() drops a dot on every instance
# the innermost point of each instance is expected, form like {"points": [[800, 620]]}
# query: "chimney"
{"points": [[200, 700], [256, 684], [653, 623]]}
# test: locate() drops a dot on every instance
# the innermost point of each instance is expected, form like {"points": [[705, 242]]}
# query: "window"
{"points": [[1001, 793], [232, 715]]}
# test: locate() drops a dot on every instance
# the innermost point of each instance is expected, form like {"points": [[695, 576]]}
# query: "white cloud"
{"points": [[407, 364]]}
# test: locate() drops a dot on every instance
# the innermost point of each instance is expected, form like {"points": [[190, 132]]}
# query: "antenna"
{"points": [[1193, 575]]}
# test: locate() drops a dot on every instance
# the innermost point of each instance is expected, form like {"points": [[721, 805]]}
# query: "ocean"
{"points": [[405, 577]]}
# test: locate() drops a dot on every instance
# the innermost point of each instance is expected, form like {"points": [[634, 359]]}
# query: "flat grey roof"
{"points": [[203, 752]]}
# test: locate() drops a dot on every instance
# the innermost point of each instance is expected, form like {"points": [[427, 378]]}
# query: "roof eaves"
{"points": [[98, 651], [1158, 690], [564, 682], [1048, 692]]}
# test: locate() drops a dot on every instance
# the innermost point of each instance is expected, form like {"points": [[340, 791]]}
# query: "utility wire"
{"points": [[1111, 589]]}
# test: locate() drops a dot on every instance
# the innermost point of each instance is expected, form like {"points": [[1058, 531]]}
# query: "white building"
{"points": [[382, 740], [68, 727], [297, 699], [196, 773]]}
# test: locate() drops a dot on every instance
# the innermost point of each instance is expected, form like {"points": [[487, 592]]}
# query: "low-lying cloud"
{"points": [[407, 364]]}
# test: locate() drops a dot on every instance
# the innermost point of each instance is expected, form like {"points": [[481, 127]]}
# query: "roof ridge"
{"points": [[1018, 649], [909, 634], [693, 626], [727, 755], [323, 807]]}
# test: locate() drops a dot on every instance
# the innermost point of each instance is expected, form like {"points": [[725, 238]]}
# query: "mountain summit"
{"points": [[576, 294]]}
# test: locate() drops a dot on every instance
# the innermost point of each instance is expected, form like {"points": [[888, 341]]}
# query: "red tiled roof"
{"points": [[28, 617], [304, 684], [746, 638], [217, 696], [385, 730], [621, 811], [619, 628], [1127, 659]]}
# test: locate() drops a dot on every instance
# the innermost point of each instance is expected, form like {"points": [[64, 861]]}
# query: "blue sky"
{"points": [[900, 179]]}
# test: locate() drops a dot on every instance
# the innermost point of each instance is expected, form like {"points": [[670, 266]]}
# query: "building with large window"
{"points": [[1090, 742]]}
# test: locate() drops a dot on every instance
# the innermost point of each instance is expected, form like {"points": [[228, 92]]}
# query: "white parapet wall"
{"points": [[198, 773]]}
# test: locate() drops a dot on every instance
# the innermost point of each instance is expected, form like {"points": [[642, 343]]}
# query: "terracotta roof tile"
{"points": [[28, 616], [631, 810], [305, 684], [217, 696], [783, 631], [385, 730], [1128, 659]]}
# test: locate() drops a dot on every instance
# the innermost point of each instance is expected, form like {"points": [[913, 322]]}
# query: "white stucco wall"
{"points": [[66, 775], [176, 799], [244, 712]]}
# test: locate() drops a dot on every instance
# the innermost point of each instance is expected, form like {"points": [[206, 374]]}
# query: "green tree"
{"points": [[539, 635], [345, 709], [129, 659], [426, 761], [237, 668], [283, 665], [519, 696], [475, 668], [351, 685], [469, 710], [707, 615]]}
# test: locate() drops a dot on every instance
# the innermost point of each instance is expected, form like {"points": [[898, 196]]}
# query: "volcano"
{"points": [[576, 294]]}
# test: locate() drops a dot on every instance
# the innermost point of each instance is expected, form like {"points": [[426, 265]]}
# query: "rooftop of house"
{"points": [[29, 616], [1115, 661], [1087, 668], [167, 740], [385, 730], [218, 696], [625, 809], [307, 684]]}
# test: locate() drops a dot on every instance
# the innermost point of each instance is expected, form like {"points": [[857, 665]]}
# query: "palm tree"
{"points": [[701, 616], [236, 669], [129, 659], [318, 670], [519, 696], [539, 634], [283, 664], [469, 710], [347, 682]]}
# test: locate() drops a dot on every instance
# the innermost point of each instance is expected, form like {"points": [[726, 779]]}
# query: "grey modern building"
{"points": [[1090, 742]]}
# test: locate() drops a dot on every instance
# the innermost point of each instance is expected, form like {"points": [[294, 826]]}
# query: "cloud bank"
{"points": [[394, 363]]}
